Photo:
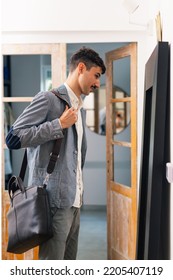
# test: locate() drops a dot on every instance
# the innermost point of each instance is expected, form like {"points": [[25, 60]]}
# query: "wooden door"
{"points": [[121, 154], [58, 75]]}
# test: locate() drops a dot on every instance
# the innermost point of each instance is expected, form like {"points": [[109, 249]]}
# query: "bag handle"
{"points": [[13, 184]]}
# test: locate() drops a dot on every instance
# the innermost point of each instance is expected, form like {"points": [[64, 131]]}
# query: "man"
{"points": [[46, 119]]}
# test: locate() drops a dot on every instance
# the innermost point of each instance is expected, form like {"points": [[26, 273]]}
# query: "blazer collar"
{"points": [[62, 93]]}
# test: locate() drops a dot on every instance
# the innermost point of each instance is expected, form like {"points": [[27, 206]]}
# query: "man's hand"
{"points": [[69, 117]]}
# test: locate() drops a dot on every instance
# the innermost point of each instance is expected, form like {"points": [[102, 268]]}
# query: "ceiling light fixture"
{"points": [[131, 6]]}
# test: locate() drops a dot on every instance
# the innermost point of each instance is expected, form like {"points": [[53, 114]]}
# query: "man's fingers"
{"points": [[66, 108]]}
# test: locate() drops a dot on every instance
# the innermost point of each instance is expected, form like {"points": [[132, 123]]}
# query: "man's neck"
{"points": [[71, 82]]}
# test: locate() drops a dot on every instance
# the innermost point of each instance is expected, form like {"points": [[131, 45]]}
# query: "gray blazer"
{"points": [[36, 129]]}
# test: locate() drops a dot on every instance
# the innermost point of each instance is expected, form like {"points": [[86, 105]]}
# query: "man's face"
{"points": [[90, 79]]}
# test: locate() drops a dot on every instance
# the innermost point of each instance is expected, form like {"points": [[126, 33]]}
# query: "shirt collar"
{"points": [[76, 102]]}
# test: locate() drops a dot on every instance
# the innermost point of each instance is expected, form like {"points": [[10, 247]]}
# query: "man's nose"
{"points": [[97, 83]]}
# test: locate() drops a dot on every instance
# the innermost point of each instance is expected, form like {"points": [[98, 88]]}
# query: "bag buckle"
{"points": [[46, 180]]}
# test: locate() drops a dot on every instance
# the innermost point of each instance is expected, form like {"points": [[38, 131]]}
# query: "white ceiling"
{"points": [[73, 15]]}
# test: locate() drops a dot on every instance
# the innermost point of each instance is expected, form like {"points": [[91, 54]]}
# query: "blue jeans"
{"points": [[64, 243]]}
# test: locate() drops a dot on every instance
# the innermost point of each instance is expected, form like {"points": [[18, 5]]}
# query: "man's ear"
{"points": [[81, 67]]}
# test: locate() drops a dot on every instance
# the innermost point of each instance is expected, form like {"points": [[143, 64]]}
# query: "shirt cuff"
{"points": [[60, 123]]}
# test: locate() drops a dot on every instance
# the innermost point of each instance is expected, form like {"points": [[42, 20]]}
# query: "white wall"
{"points": [[58, 15]]}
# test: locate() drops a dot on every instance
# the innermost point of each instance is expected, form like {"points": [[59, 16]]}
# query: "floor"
{"points": [[93, 234]]}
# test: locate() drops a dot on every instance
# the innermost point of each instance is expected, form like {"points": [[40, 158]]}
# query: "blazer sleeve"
{"points": [[34, 127]]}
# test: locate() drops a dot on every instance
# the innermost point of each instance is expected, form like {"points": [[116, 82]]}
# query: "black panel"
{"points": [[154, 208]]}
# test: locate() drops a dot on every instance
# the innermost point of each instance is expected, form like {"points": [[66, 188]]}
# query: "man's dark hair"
{"points": [[89, 57]]}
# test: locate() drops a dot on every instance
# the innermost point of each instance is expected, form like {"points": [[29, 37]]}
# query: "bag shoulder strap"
{"points": [[23, 166], [54, 156], [52, 161]]}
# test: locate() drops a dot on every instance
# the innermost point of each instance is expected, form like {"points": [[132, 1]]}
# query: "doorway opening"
{"points": [[93, 231]]}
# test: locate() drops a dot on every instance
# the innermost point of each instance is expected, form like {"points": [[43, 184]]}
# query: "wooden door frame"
{"points": [[129, 50]]}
